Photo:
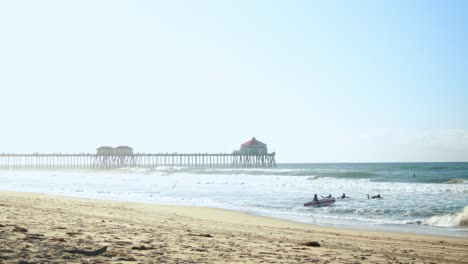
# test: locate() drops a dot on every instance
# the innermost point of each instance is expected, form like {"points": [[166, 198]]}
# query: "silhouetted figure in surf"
{"points": [[374, 196], [343, 196], [414, 174], [315, 198], [327, 197]]}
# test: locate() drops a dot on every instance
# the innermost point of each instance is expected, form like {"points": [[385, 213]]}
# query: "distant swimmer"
{"points": [[374, 196], [414, 174], [329, 196], [343, 196]]}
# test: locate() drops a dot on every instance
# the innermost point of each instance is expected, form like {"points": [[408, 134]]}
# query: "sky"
{"points": [[317, 81]]}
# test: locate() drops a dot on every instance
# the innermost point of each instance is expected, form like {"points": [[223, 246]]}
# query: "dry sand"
{"points": [[36, 228]]}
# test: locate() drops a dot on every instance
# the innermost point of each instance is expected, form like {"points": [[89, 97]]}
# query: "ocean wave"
{"points": [[348, 174], [367, 211], [314, 173], [372, 212], [233, 171], [169, 170], [457, 219], [439, 168], [457, 181]]}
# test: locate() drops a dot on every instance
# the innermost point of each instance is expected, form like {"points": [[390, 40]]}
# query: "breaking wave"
{"points": [[310, 174], [458, 219], [253, 171], [457, 181]]}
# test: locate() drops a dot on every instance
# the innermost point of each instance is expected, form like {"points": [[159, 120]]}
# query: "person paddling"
{"points": [[315, 198], [374, 196], [343, 196]]}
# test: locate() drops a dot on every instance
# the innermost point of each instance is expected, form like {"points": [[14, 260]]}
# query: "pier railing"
{"points": [[94, 161]]}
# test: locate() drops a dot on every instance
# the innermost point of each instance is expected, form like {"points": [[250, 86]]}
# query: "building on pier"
{"points": [[118, 151], [105, 151], [123, 151], [253, 147]]}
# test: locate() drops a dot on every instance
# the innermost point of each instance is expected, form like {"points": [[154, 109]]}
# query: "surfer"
{"points": [[329, 196], [343, 196], [374, 196], [315, 198]]}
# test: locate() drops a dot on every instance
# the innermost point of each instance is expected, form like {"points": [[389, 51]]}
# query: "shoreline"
{"points": [[318, 222], [419, 208], [171, 233], [411, 229]]}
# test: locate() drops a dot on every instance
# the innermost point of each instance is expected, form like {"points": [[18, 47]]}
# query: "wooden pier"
{"points": [[95, 161]]}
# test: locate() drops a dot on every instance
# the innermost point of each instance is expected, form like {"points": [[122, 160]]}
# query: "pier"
{"points": [[114, 161], [252, 154]]}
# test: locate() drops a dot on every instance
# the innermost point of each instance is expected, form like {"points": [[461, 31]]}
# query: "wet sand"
{"points": [[36, 228]]}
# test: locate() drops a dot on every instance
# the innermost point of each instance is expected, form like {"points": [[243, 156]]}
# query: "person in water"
{"points": [[374, 196], [343, 196], [315, 198], [329, 196]]}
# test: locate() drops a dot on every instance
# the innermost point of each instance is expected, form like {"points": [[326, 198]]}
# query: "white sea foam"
{"points": [[272, 194], [457, 181], [458, 219]]}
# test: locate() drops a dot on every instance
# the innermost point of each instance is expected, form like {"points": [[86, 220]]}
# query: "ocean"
{"points": [[421, 198]]}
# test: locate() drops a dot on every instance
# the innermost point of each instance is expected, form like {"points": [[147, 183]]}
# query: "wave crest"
{"points": [[311, 173], [457, 181], [458, 219]]}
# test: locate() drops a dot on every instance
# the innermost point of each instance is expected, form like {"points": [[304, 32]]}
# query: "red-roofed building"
{"points": [[254, 147]]}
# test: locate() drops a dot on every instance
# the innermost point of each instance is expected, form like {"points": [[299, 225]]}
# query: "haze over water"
{"points": [[434, 201]]}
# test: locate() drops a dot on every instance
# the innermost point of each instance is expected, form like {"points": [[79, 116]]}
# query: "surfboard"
{"points": [[321, 202]]}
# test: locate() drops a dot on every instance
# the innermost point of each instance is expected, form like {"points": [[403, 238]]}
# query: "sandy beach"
{"points": [[37, 228]]}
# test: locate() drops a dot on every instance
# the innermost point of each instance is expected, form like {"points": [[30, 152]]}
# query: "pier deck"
{"points": [[141, 160]]}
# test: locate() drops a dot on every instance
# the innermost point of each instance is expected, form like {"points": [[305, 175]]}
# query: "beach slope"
{"points": [[37, 228]]}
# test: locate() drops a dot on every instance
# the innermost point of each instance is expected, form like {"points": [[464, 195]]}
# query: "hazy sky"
{"points": [[318, 81]]}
